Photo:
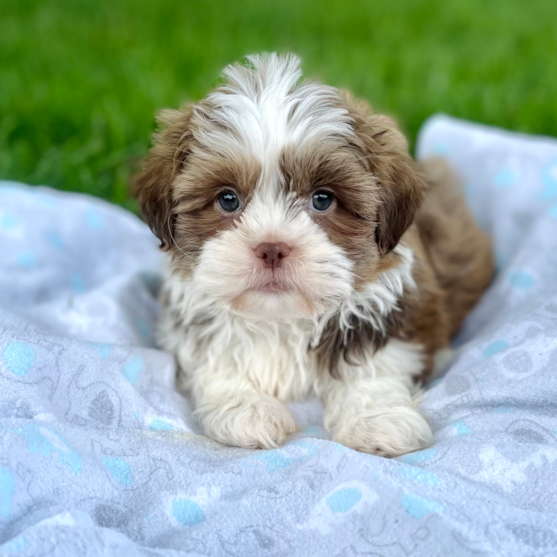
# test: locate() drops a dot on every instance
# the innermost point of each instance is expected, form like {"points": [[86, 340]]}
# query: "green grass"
{"points": [[81, 80]]}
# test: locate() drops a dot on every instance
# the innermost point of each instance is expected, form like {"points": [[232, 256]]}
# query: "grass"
{"points": [[80, 81]]}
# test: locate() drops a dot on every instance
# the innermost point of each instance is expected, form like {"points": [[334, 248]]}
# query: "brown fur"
{"points": [[195, 191], [153, 186], [178, 188], [453, 265], [453, 260], [385, 155], [377, 186], [458, 251]]}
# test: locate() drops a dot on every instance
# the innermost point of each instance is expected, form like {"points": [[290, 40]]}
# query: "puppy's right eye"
{"points": [[228, 201], [321, 201]]}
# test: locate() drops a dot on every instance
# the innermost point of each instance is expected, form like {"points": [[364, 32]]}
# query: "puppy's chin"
{"points": [[275, 304]]}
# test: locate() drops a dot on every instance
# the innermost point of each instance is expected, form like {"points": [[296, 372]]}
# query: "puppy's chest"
{"points": [[281, 363], [273, 358]]}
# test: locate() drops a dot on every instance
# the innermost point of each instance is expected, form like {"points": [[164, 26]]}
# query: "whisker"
{"points": [[188, 257]]}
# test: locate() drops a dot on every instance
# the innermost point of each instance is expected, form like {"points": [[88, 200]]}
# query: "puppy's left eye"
{"points": [[321, 200], [228, 201]]}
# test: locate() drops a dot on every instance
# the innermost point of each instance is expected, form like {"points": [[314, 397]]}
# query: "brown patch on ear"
{"points": [[153, 186], [400, 183]]}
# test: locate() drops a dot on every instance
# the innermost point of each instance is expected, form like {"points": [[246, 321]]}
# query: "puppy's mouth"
{"points": [[277, 286], [273, 287], [273, 282]]}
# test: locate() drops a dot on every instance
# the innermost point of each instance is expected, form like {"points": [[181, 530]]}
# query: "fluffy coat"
{"points": [[370, 291]]}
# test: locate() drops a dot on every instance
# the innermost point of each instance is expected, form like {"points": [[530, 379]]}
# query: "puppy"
{"points": [[308, 254]]}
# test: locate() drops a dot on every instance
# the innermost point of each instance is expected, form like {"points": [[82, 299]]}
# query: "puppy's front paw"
{"points": [[255, 423], [385, 432]]}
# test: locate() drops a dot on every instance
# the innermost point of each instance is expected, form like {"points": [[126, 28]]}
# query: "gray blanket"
{"points": [[100, 456]]}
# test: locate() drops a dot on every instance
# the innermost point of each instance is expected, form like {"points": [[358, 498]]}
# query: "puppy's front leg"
{"points": [[375, 416], [372, 410], [233, 412]]}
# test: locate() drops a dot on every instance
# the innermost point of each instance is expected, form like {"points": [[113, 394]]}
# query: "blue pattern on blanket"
{"points": [[99, 455], [549, 178]]}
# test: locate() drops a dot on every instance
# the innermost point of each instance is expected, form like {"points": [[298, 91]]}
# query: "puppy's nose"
{"points": [[272, 254]]}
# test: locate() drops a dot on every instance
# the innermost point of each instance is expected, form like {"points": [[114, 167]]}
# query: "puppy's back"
{"points": [[458, 249]]}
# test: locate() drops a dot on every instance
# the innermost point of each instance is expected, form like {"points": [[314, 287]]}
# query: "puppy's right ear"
{"points": [[153, 186]]}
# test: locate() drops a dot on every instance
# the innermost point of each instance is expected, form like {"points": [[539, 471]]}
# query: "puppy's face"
{"points": [[279, 198]]}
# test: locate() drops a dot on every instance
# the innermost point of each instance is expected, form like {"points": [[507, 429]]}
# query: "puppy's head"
{"points": [[279, 197]]}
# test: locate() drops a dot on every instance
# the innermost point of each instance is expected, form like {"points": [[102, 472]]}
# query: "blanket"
{"points": [[100, 455]]}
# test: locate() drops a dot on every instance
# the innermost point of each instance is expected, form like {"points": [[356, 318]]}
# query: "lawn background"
{"points": [[80, 81]]}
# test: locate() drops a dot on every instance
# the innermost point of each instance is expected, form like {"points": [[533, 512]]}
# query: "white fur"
{"points": [[372, 409], [264, 108], [240, 370], [244, 351], [377, 299]]}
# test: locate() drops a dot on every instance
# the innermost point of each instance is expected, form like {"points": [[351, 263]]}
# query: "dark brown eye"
{"points": [[321, 200], [228, 201]]}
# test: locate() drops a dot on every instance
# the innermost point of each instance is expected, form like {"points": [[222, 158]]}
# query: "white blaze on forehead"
{"points": [[274, 218], [263, 107]]}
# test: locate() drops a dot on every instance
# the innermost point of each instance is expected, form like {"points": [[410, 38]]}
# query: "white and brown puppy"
{"points": [[308, 254]]}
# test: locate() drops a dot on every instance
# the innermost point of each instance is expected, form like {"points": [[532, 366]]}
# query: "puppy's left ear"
{"points": [[400, 184]]}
